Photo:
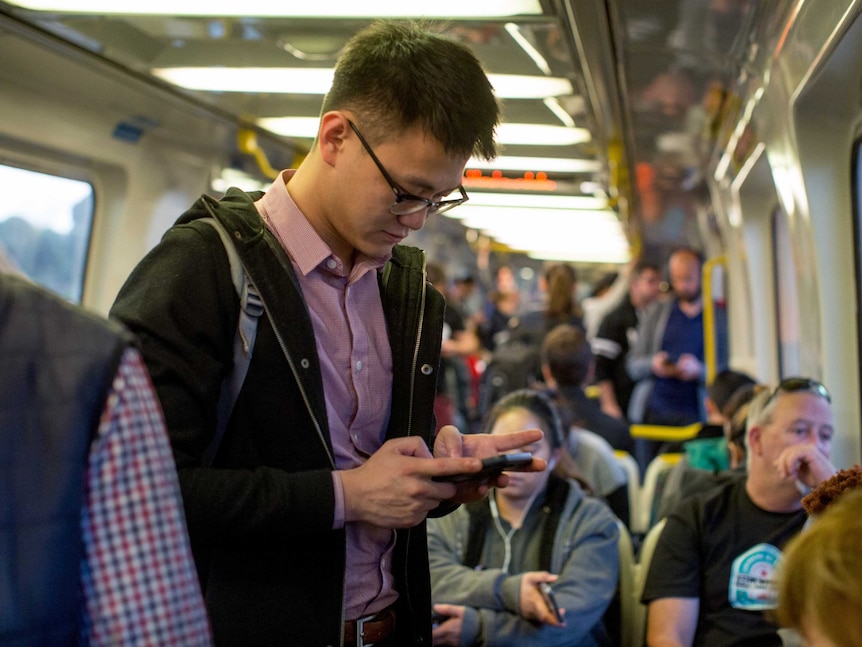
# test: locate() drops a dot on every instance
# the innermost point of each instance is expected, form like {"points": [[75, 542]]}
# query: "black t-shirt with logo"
{"points": [[723, 549]]}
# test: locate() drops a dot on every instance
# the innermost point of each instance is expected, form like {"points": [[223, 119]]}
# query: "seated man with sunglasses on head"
{"points": [[712, 574]]}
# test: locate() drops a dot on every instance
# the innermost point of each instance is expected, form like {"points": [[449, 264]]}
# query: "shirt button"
{"points": [[331, 264], [359, 365]]}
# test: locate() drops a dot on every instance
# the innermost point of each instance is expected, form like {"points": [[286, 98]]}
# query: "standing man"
{"points": [[93, 544], [667, 361], [616, 333], [309, 524], [713, 572]]}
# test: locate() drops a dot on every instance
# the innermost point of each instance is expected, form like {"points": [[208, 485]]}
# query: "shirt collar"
{"points": [[301, 242]]}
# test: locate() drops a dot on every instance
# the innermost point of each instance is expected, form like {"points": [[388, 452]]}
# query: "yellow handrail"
{"points": [[710, 353], [664, 432], [247, 142]]}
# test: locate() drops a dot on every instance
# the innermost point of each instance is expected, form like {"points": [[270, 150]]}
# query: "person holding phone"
{"points": [[490, 559], [307, 516]]}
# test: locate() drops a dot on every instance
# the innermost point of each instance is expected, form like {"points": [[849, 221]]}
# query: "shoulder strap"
{"points": [[251, 308], [480, 520], [555, 501]]}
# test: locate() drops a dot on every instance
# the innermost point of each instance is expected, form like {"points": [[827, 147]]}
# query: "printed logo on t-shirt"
{"points": [[752, 579]]}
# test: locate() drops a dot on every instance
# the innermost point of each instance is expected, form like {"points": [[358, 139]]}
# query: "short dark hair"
{"points": [[394, 75], [537, 403], [567, 354], [725, 384], [644, 266], [736, 413]]}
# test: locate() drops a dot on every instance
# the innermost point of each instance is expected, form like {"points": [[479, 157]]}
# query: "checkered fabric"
{"points": [[138, 577]]}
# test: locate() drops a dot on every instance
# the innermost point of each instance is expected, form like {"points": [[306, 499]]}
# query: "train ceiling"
{"points": [[608, 104]]}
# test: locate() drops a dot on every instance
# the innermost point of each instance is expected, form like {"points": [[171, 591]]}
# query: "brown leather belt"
{"points": [[370, 629]]}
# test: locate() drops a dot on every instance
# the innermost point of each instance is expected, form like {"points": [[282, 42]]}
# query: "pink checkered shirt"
{"points": [[138, 577]]}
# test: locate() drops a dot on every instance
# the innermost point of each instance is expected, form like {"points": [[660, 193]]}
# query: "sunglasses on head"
{"points": [[795, 384]]}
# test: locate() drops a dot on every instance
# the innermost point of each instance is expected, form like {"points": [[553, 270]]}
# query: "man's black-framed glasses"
{"points": [[407, 203], [795, 384]]}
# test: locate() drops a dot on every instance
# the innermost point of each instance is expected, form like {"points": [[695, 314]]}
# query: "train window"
{"points": [[45, 224]]}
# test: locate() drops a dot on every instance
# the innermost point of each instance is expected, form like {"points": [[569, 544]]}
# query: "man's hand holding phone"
{"points": [[451, 443], [492, 467]]}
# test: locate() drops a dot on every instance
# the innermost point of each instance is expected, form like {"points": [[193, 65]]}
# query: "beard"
{"points": [[689, 297]]}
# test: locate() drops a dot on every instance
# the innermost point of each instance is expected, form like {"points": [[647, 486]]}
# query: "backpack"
{"points": [[251, 308], [513, 365]]}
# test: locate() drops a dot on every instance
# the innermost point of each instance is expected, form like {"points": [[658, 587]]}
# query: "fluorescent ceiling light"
{"points": [[316, 80], [541, 135], [537, 219], [269, 8], [291, 126], [276, 80], [587, 236], [508, 134], [519, 200], [523, 86], [618, 256], [547, 164]]}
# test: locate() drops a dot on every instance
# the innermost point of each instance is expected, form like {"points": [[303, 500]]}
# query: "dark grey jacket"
{"points": [[56, 368]]}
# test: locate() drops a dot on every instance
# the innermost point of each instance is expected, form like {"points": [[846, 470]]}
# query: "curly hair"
{"points": [[825, 494]]}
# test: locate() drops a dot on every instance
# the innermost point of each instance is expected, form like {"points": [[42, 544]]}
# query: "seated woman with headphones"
{"points": [[490, 560]]}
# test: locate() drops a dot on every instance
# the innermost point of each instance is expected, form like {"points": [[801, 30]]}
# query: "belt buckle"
{"points": [[360, 631]]}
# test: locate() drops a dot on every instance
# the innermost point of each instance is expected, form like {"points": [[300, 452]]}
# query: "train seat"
{"points": [[639, 611]]}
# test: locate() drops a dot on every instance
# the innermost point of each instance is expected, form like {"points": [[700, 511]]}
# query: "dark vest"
{"points": [[56, 366]]}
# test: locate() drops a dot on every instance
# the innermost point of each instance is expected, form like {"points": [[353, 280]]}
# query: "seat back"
{"points": [[633, 484], [626, 585], [639, 611], [656, 474]]}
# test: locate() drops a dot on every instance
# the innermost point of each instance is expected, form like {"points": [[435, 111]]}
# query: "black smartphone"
{"points": [[438, 618], [492, 467], [550, 601]]}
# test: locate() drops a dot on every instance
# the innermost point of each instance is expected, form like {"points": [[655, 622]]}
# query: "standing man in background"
{"points": [[667, 361], [309, 523], [616, 334]]}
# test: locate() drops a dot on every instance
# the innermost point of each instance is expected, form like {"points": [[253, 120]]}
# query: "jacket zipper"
{"points": [[287, 356]]}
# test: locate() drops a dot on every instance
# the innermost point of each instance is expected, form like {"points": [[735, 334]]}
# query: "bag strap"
{"points": [[251, 308], [480, 519], [555, 500]]}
